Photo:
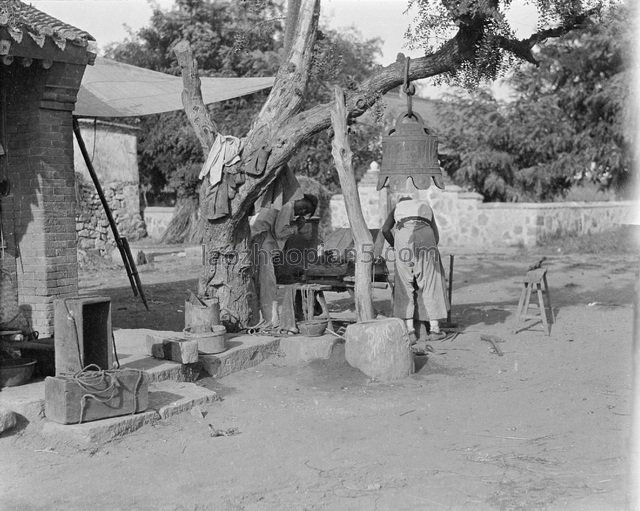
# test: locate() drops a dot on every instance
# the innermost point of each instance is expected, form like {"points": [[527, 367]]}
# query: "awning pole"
{"points": [[121, 243]]}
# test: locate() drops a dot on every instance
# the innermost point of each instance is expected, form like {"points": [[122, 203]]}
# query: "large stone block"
{"points": [[381, 349], [8, 419], [184, 351]]}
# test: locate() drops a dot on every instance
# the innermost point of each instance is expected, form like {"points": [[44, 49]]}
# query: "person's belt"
{"points": [[419, 219]]}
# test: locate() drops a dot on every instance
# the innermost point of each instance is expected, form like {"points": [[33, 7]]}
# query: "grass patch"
{"points": [[622, 240]]}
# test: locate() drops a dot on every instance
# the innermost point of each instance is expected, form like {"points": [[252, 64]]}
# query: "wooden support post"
{"points": [[362, 239]]}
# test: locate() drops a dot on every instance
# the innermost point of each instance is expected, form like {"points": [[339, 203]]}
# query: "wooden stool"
{"points": [[534, 279], [316, 292]]}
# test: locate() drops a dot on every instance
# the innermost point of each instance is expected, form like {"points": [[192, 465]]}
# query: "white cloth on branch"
{"points": [[225, 151]]}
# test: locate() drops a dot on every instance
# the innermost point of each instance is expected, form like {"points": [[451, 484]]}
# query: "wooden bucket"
{"points": [[211, 341], [200, 317]]}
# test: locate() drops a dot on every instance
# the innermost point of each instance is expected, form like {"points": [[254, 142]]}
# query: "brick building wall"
{"points": [[40, 262]]}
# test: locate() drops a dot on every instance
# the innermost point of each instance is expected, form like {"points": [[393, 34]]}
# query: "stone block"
{"points": [[184, 351], [381, 349], [8, 419]]}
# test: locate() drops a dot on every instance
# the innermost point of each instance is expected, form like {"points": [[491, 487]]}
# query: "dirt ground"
{"points": [[546, 426]]}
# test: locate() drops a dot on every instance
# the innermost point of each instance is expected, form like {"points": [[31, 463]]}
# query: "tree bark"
{"points": [[362, 239], [197, 113], [293, 8]]}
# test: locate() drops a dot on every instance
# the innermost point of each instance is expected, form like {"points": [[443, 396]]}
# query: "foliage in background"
{"points": [[437, 21], [169, 153], [566, 126], [342, 58], [238, 39]]}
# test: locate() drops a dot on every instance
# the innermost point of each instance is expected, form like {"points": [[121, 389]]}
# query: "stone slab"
{"points": [[166, 398], [244, 351], [301, 350], [131, 345]]}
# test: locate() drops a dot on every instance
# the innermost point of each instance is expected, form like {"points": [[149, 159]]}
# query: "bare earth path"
{"points": [[546, 426]]}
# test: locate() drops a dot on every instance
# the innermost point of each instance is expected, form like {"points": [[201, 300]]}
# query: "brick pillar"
{"points": [[40, 162]]}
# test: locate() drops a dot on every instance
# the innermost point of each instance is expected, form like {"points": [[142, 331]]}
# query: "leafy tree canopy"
{"points": [[568, 123], [492, 46], [238, 39]]}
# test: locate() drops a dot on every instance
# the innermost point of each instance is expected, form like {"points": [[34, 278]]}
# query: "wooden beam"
{"points": [[362, 239]]}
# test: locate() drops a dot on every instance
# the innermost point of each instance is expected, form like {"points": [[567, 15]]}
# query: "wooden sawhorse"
{"points": [[534, 280]]}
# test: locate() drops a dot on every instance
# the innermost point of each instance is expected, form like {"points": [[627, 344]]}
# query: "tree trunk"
{"points": [[228, 269], [228, 272], [362, 239]]}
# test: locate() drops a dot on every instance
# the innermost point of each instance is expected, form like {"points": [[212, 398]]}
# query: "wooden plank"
{"points": [[67, 402]]}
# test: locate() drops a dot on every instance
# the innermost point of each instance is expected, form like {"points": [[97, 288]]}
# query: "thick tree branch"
{"points": [[362, 239], [291, 81], [522, 48], [192, 101], [293, 9], [292, 131]]}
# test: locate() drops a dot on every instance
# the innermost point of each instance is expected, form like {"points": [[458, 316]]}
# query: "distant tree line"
{"points": [[569, 123], [236, 39]]}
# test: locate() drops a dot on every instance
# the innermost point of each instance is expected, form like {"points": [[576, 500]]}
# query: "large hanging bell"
{"points": [[410, 151]]}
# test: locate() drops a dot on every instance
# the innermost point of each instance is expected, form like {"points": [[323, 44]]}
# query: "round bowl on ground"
{"points": [[14, 372], [313, 327]]}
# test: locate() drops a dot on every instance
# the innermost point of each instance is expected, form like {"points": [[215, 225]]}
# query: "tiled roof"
{"points": [[21, 19]]}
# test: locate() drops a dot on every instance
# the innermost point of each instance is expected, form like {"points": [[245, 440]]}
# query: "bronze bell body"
{"points": [[410, 151]]}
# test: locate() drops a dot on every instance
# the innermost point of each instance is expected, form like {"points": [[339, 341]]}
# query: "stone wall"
{"points": [[92, 225], [465, 221], [113, 149]]}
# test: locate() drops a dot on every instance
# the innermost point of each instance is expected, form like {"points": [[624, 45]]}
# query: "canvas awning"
{"points": [[114, 89]]}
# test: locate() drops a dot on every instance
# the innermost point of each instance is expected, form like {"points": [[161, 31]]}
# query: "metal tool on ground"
{"points": [[534, 280], [448, 324], [493, 340]]}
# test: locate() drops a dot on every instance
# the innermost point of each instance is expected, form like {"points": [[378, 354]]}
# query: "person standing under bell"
{"points": [[269, 233], [420, 289]]}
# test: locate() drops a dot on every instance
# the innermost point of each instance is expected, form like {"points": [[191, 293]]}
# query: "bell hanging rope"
{"points": [[409, 150]]}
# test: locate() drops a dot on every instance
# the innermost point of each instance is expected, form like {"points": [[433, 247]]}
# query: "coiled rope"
{"points": [[103, 385]]}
